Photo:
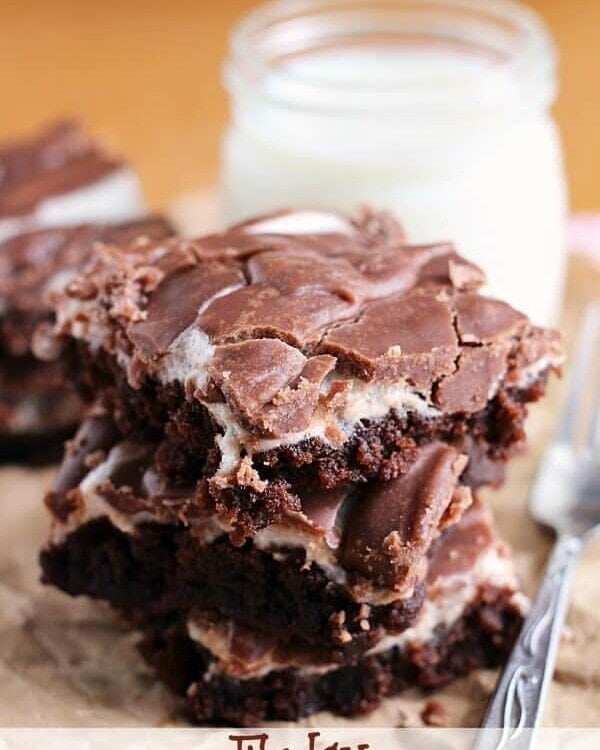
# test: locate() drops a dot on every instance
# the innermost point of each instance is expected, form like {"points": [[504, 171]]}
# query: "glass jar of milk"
{"points": [[436, 109]]}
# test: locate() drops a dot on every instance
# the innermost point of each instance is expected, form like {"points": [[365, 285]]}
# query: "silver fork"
{"points": [[566, 498]]}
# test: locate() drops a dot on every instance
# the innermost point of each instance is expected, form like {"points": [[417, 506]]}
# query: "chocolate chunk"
{"points": [[253, 372], [322, 509], [393, 524], [445, 264], [272, 386]]}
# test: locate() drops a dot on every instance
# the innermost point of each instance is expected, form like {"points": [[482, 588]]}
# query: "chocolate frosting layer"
{"points": [[279, 311]]}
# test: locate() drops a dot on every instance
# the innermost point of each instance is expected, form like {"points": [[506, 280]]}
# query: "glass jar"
{"points": [[436, 109]]}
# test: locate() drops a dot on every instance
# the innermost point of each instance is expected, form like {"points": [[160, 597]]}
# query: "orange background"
{"points": [[146, 74]]}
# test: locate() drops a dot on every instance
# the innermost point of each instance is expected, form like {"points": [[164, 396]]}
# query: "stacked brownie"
{"points": [[49, 185], [276, 483]]}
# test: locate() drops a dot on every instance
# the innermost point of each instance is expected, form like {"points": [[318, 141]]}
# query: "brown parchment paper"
{"points": [[70, 662]]}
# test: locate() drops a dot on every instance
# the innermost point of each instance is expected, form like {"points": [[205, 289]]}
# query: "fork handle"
{"points": [[519, 695]]}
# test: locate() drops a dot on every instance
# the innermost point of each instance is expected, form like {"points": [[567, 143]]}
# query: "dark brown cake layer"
{"points": [[161, 570], [481, 637], [302, 342]]}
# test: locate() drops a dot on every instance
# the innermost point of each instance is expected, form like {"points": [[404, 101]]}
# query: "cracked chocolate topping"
{"points": [[274, 315]]}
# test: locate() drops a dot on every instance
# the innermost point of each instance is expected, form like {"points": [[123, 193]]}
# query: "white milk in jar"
{"points": [[436, 109]]}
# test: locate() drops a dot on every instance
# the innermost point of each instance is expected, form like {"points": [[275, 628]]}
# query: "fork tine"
{"points": [[583, 360]]}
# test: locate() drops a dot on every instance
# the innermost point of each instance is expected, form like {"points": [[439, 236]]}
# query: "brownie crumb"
{"points": [[434, 714]]}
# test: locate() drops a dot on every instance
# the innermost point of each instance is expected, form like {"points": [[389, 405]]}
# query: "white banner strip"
{"points": [[337, 738]]}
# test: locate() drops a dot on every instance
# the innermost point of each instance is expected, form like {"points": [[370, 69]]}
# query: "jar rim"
{"points": [[512, 36]]}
